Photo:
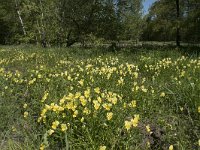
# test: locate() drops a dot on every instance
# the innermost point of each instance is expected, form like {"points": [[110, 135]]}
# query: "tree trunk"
{"points": [[43, 33], [70, 41], [20, 18], [178, 23]]}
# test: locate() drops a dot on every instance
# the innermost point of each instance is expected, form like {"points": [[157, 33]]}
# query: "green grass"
{"points": [[164, 82]]}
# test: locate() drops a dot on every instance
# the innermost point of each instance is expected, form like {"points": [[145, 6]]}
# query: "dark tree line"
{"points": [[65, 22], [173, 20]]}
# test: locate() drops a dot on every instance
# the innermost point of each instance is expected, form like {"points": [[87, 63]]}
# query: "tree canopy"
{"points": [[65, 22]]}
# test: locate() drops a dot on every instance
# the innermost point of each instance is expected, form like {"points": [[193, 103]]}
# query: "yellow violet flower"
{"points": [[25, 114], [128, 125], [50, 132], [87, 93], [81, 82], [135, 75], [63, 127], [45, 96], [42, 146], [25, 106], [97, 90], [181, 108], [14, 129], [143, 89], [82, 119], [31, 81], [148, 144], [133, 104], [114, 100], [109, 115], [86, 111], [135, 120], [171, 147], [148, 128], [62, 101], [99, 99], [162, 94], [199, 109], [96, 104], [102, 148], [78, 94], [107, 106], [55, 124], [83, 100]]}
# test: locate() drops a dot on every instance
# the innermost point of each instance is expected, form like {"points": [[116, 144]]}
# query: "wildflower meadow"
{"points": [[87, 99]]}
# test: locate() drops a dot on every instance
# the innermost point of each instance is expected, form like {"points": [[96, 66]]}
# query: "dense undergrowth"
{"points": [[94, 99]]}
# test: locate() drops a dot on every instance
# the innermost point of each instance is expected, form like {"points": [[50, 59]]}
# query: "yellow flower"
{"points": [[135, 120], [62, 100], [148, 144], [77, 95], [143, 89], [83, 100], [133, 104], [45, 96], [114, 100], [87, 93], [199, 109], [96, 104], [55, 124], [148, 128], [50, 132], [181, 108], [107, 106], [99, 99], [81, 82], [86, 111], [32, 81], [135, 75], [128, 125], [75, 113], [97, 90], [182, 73], [109, 115], [69, 78], [43, 112], [25, 114], [102, 148], [121, 81], [39, 76], [25, 106], [162, 94], [125, 105], [42, 146], [47, 107], [171, 147], [63, 127], [14, 129], [82, 119]]}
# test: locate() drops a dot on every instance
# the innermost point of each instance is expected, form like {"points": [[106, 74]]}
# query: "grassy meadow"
{"points": [[93, 99]]}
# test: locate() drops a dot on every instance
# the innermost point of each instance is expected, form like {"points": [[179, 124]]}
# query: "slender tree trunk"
{"points": [[39, 33], [43, 33], [178, 25], [20, 18]]}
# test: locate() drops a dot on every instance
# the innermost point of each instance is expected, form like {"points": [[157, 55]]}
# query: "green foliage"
{"points": [[162, 22], [51, 22]]}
